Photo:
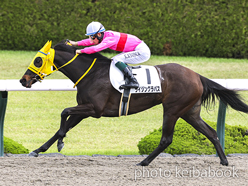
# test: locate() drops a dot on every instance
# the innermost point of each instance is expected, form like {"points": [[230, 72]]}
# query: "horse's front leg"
{"points": [[76, 115], [65, 126], [57, 136], [45, 146]]}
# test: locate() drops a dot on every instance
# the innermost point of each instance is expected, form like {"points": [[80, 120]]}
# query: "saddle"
{"points": [[147, 77]]}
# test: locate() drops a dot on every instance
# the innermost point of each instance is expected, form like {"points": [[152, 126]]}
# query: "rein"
{"points": [[85, 73], [92, 64], [67, 63]]}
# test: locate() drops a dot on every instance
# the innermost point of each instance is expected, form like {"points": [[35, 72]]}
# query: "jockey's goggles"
{"points": [[93, 36]]}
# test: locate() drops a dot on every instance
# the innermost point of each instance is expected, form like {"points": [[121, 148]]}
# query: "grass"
{"points": [[33, 117]]}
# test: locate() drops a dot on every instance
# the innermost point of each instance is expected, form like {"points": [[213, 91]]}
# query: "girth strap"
{"points": [[124, 103]]}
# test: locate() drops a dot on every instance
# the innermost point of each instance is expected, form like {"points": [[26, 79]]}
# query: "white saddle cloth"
{"points": [[147, 76]]}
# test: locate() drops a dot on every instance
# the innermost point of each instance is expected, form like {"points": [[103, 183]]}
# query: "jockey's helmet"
{"points": [[94, 28]]}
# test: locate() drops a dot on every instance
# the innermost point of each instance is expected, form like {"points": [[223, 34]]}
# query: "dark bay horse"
{"points": [[183, 93]]}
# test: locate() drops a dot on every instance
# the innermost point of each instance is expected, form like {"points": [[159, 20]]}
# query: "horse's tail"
{"points": [[227, 96]]}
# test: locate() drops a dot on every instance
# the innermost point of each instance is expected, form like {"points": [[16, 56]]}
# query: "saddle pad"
{"points": [[147, 76]]}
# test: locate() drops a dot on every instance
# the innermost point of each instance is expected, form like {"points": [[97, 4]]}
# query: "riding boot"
{"points": [[132, 81]]}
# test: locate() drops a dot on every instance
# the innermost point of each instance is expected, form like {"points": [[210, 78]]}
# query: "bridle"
{"points": [[48, 64]]}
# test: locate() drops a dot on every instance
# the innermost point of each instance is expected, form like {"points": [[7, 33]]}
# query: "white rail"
{"points": [[234, 84], [46, 85], [67, 85]]}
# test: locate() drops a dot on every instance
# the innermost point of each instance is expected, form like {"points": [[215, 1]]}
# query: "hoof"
{"points": [[60, 146], [225, 162], [142, 164], [33, 154]]}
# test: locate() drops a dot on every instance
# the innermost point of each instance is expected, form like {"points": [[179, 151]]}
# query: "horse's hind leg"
{"points": [[169, 122], [194, 119]]}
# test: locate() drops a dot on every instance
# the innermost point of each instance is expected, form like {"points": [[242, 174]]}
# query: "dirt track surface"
{"points": [[122, 171]]}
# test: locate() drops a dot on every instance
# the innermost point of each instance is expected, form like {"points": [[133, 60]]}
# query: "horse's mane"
{"points": [[71, 49]]}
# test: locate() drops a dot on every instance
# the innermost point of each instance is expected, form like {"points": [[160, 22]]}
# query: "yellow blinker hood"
{"points": [[47, 55]]}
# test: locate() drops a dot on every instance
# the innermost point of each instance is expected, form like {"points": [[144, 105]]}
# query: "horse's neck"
{"points": [[77, 67], [60, 59]]}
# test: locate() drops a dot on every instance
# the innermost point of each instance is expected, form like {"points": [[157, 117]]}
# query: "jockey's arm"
{"points": [[74, 43], [106, 43]]}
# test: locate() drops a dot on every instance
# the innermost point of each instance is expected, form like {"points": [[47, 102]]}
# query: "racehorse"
{"points": [[183, 93]]}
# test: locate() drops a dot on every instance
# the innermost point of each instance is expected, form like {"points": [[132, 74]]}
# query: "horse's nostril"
{"points": [[22, 81]]}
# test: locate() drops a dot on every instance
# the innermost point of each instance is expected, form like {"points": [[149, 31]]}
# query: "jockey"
{"points": [[133, 49]]}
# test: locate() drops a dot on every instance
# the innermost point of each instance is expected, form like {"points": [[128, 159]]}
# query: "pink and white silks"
{"points": [[133, 50]]}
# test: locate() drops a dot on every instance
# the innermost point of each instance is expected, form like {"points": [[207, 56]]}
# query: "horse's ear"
{"points": [[46, 47]]}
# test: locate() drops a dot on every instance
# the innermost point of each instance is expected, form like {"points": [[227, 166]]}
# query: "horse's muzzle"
{"points": [[27, 83]]}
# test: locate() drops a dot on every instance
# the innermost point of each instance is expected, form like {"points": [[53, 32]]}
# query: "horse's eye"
{"points": [[38, 62]]}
